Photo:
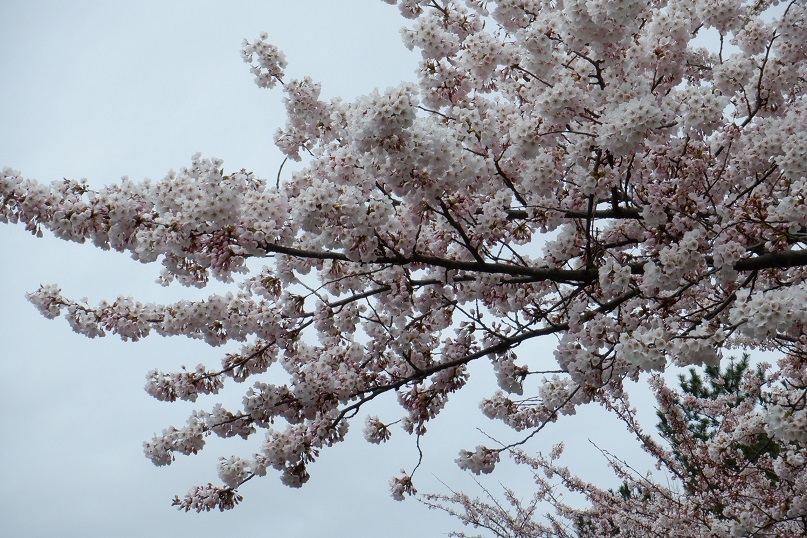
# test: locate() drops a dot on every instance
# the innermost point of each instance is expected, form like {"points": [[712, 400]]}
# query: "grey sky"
{"points": [[101, 89]]}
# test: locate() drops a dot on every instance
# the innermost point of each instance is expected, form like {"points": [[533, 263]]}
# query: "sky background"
{"points": [[106, 89]]}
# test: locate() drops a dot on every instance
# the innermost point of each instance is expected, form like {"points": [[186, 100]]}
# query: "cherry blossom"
{"points": [[581, 170]]}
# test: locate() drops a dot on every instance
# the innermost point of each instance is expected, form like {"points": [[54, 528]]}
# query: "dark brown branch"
{"points": [[618, 213], [537, 273], [778, 260], [772, 260]]}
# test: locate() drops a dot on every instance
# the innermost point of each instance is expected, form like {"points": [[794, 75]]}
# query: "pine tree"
{"points": [[713, 383]]}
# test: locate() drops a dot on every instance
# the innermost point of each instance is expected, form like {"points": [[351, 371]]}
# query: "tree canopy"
{"points": [[582, 170]]}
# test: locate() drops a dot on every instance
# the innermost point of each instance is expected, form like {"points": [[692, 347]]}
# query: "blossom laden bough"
{"points": [[580, 169]]}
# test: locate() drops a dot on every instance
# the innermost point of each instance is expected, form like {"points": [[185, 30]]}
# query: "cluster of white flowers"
{"points": [[676, 262], [509, 376], [559, 103], [481, 460], [188, 440], [645, 348], [702, 109], [200, 196], [484, 53], [726, 253], [410, 9], [310, 121], [46, 300], [286, 451], [182, 385], [381, 118], [269, 61], [604, 11], [509, 13], [556, 394], [208, 497], [424, 403], [431, 38], [793, 207], [767, 314], [376, 431], [226, 424], [625, 125], [792, 161], [402, 486], [517, 416], [787, 467], [578, 21], [700, 347], [724, 15], [788, 423], [263, 402], [732, 74], [614, 278], [233, 471]]}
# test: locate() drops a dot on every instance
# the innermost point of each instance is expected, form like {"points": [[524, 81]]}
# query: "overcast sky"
{"points": [[105, 89]]}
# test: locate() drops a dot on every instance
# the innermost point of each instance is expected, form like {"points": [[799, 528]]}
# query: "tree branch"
{"points": [[537, 273]]}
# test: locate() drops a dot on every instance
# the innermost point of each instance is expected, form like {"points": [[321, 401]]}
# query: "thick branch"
{"points": [[772, 260], [618, 213], [537, 273], [779, 260]]}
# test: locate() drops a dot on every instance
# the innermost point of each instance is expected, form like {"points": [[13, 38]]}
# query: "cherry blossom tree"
{"points": [[583, 170]]}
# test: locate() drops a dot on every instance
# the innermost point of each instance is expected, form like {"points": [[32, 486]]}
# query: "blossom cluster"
{"points": [[269, 61], [509, 376], [376, 431], [481, 460], [771, 313]]}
